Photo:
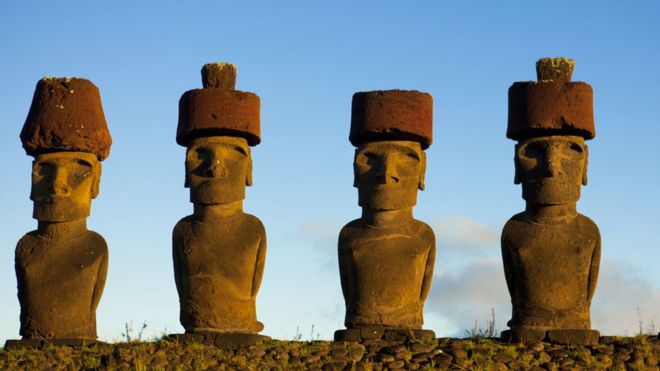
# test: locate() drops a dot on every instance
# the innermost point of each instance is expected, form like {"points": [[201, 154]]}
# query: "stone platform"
{"points": [[383, 333], [219, 338], [563, 336], [41, 343]]}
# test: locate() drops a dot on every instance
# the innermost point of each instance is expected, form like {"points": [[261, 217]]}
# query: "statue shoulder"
{"points": [[253, 222], [183, 226], [589, 226], [423, 230], [95, 240], [26, 244], [514, 225], [348, 230]]}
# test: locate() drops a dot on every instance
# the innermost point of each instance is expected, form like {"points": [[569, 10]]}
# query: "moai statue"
{"points": [[551, 253], [386, 257], [61, 267], [219, 251]]}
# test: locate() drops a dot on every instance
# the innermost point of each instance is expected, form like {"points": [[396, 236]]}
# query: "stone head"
{"points": [[63, 185], [551, 168], [217, 169], [389, 173]]}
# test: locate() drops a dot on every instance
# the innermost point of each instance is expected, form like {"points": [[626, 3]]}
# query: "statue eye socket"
{"points": [[575, 147], [43, 169], [533, 150], [199, 154], [412, 155]]}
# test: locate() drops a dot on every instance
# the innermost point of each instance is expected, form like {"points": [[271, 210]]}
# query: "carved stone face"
{"points": [[218, 169], [388, 174], [63, 185], [551, 169]]}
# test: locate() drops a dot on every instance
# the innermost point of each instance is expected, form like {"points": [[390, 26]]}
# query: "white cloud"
{"points": [[466, 295], [464, 234], [469, 281], [619, 295]]}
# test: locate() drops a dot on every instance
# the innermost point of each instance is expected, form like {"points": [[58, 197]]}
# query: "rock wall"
{"points": [[636, 353]]}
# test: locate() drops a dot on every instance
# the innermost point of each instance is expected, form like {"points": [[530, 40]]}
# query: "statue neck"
{"points": [[213, 211], [543, 212], [62, 229], [386, 218]]}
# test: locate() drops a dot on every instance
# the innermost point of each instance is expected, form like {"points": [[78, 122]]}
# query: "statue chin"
{"points": [[60, 210], [387, 199], [549, 192], [212, 195]]}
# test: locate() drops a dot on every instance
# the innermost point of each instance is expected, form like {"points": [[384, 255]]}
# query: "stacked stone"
{"points": [[551, 253], [553, 105], [67, 133], [218, 251], [386, 253], [639, 353], [218, 109]]}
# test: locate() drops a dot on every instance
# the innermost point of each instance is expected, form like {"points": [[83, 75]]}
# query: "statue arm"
{"points": [[176, 259], [259, 265], [508, 265], [428, 272], [343, 268], [100, 279], [593, 269]]}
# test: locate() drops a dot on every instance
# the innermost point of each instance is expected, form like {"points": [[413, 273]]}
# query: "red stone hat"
{"points": [[392, 115], [66, 115], [218, 109], [551, 106]]}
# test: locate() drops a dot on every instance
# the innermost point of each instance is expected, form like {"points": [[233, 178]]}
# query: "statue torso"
{"points": [[58, 280], [215, 265], [550, 269], [384, 271]]}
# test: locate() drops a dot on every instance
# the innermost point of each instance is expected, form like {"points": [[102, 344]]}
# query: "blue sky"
{"points": [[305, 60]]}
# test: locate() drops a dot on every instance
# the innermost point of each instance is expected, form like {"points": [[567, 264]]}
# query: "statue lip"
{"points": [[51, 200], [548, 181]]}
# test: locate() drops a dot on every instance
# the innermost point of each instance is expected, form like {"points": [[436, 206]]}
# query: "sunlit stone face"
{"points": [[218, 169], [63, 185], [388, 174], [551, 169]]}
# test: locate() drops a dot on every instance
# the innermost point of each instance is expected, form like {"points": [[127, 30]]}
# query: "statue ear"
{"points": [[248, 172], [586, 162], [422, 172], [355, 172], [517, 178], [186, 182], [96, 183]]}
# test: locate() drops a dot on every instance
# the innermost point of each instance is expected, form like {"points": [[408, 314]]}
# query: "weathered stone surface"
{"points": [[219, 75], [66, 115], [574, 336], [219, 251], [555, 69], [61, 267], [523, 335], [218, 109], [551, 107], [483, 354], [224, 339], [551, 253], [383, 333], [392, 115], [39, 343], [386, 257]]}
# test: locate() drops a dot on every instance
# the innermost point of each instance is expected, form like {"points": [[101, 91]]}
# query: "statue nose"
{"points": [[387, 173], [216, 169], [60, 184]]}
